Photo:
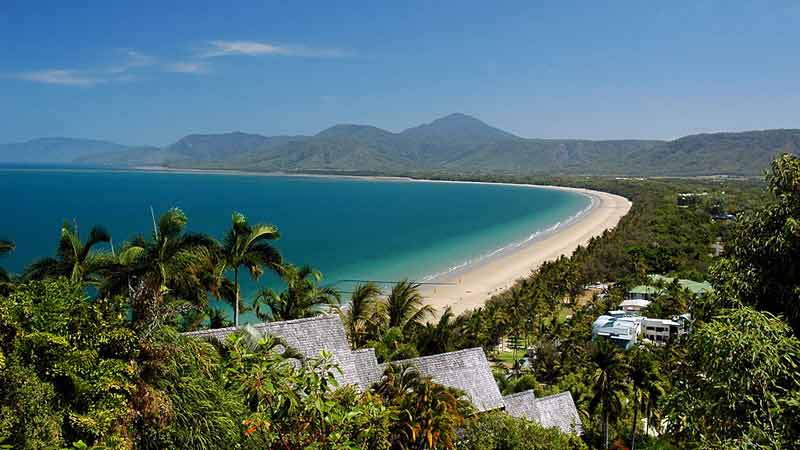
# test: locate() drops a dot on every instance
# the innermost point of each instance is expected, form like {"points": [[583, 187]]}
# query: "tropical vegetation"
{"points": [[92, 354]]}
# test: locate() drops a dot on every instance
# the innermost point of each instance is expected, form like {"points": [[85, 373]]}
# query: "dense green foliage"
{"points": [[737, 385], [763, 267], [496, 431], [91, 354]]}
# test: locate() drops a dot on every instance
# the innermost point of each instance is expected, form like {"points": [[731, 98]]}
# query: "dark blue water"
{"points": [[349, 229]]}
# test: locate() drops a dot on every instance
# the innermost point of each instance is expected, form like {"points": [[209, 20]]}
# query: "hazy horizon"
{"points": [[143, 74]]}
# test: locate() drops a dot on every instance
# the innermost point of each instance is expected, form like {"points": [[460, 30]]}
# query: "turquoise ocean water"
{"points": [[347, 228]]}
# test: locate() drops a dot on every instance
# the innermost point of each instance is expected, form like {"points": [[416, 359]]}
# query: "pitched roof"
{"points": [[554, 411], [309, 336], [522, 405], [559, 411], [369, 371], [695, 287], [467, 370]]}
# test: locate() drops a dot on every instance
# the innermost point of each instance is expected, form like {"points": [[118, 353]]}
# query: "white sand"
{"points": [[474, 286]]}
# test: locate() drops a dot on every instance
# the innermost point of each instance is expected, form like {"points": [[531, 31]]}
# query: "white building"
{"points": [[623, 331], [634, 306]]}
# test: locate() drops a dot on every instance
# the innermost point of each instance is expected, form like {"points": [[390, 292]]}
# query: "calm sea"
{"points": [[347, 228]]}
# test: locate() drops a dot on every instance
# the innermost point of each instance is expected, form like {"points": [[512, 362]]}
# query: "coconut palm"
{"points": [[75, 259], [643, 378], [359, 315], [438, 337], [248, 246], [404, 308], [171, 265], [303, 297], [608, 383]]}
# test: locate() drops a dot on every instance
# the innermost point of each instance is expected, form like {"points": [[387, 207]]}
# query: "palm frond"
{"points": [[171, 223], [6, 247], [69, 244], [261, 232], [130, 254], [41, 269], [97, 235]]}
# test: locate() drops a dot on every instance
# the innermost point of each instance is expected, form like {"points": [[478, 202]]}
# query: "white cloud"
{"points": [[137, 63], [60, 76], [191, 67], [134, 59], [253, 48]]}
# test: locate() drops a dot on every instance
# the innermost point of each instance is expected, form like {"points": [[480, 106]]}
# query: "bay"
{"points": [[364, 229]]}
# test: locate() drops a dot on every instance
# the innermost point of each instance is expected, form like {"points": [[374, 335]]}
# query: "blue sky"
{"points": [[145, 73]]}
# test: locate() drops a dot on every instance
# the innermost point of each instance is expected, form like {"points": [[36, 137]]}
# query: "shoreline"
{"points": [[476, 282]]}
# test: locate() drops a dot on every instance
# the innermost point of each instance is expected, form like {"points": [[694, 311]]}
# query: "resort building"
{"points": [[467, 370], [634, 306], [690, 198], [650, 290], [554, 411], [622, 331], [660, 331]]}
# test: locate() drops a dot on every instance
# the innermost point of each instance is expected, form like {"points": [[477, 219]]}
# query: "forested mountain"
{"points": [[456, 143], [55, 150]]}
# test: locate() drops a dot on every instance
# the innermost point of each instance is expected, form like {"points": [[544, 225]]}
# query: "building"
{"points": [[634, 306], [554, 411], [467, 370], [310, 337], [622, 331], [649, 291], [690, 198], [660, 331]]}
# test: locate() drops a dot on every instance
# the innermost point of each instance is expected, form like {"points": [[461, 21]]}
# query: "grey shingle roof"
{"points": [[369, 371], [556, 411], [523, 405], [310, 337], [559, 411], [467, 370]]}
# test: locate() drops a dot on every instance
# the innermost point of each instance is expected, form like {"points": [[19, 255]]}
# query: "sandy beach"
{"points": [[475, 285]]}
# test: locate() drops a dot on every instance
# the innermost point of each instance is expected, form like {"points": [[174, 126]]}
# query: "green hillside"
{"points": [[456, 143]]}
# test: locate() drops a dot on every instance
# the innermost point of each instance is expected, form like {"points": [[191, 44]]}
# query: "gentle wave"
{"points": [[509, 247]]}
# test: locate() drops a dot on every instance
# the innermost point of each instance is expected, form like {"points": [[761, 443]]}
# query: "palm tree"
{"points": [[75, 259], [172, 263], [359, 315], [431, 413], [608, 385], [303, 297], [438, 338], [642, 375], [404, 308], [653, 391], [248, 246]]}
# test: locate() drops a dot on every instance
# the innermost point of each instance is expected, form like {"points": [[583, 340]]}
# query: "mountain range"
{"points": [[457, 143]]}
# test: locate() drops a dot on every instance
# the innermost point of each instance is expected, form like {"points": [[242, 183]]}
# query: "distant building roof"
{"points": [[635, 303], [467, 370], [309, 336], [696, 287], [554, 411], [649, 322]]}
